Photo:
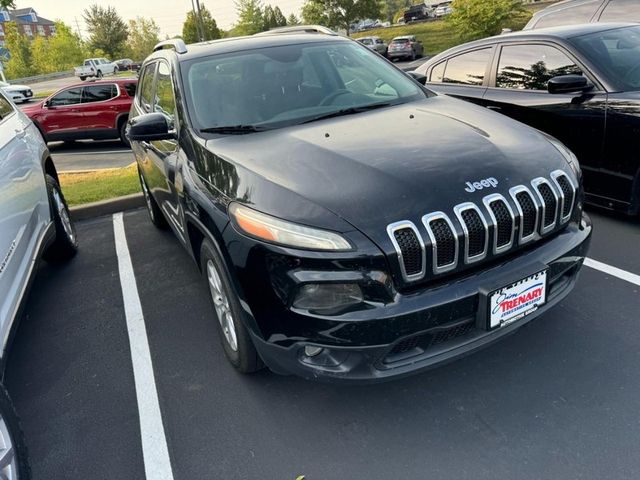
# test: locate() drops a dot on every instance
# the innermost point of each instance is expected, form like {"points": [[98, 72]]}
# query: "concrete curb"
{"points": [[107, 207]]}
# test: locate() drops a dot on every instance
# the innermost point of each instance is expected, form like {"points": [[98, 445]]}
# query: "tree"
{"points": [[339, 13], [293, 20], [143, 36], [250, 19], [4, 4], [190, 28], [280, 19], [20, 64], [479, 18], [268, 18], [392, 9], [107, 31]]}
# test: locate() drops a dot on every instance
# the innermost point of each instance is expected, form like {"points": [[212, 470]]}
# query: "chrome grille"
{"points": [[549, 201], [494, 227], [410, 248], [476, 231], [567, 193], [444, 241]]}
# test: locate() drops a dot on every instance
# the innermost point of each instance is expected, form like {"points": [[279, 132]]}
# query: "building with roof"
{"points": [[29, 23]]}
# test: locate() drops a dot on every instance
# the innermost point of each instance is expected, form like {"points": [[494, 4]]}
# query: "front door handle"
{"points": [[494, 108]]}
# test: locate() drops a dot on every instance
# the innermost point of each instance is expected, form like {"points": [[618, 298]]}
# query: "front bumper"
{"points": [[419, 329]]}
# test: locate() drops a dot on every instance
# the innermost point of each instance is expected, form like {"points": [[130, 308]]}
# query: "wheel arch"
{"points": [[122, 117], [48, 166]]}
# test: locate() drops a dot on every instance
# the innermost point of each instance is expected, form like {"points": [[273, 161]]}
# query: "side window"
{"points": [[66, 97], [98, 93], [621, 11], [165, 102], [529, 67], [131, 89], [87, 63], [572, 15], [437, 72], [6, 108], [468, 68], [146, 87]]}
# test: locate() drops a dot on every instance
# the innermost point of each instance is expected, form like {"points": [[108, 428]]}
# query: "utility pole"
{"points": [[196, 16], [77, 26], [200, 21]]}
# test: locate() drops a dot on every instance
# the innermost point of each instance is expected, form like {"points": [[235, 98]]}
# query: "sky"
{"points": [[168, 14]]}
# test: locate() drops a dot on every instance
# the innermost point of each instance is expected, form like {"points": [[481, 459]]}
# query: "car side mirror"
{"points": [[568, 84], [418, 77], [47, 104], [149, 127]]}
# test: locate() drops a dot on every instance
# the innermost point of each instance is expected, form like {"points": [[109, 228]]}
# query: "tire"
{"points": [[236, 341], [99, 74], [123, 134], [413, 56], [155, 214], [65, 246], [82, 79], [11, 436]]}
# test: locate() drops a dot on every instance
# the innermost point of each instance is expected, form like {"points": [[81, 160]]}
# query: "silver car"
{"points": [[374, 43], [405, 47], [34, 223]]}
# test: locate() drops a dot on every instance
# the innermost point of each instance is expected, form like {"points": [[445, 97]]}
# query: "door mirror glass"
{"points": [[568, 84], [149, 127], [418, 77]]}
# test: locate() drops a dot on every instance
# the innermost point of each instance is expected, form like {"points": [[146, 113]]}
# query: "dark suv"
{"points": [[333, 251]]}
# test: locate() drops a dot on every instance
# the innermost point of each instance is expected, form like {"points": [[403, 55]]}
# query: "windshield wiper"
{"points": [[234, 129], [348, 111]]}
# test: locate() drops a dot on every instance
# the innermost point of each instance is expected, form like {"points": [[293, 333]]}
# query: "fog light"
{"points": [[312, 351], [324, 296]]}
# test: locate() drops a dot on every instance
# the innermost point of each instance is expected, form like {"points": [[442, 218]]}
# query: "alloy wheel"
{"points": [[221, 304], [63, 213], [8, 458]]}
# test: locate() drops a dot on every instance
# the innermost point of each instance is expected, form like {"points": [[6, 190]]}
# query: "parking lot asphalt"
{"points": [[557, 400], [90, 155]]}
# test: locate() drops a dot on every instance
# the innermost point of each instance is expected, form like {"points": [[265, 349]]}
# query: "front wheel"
{"points": [[14, 463], [156, 216], [123, 134], [65, 245], [99, 74], [82, 78], [236, 341]]}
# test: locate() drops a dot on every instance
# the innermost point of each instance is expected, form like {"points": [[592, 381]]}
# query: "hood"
{"points": [[399, 163], [13, 87]]}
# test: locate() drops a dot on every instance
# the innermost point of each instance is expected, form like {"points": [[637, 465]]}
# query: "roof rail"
{"points": [[176, 44], [299, 29]]}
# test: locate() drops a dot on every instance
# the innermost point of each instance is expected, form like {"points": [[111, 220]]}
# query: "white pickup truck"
{"points": [[95, 67]]}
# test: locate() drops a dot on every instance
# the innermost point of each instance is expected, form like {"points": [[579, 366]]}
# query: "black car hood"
{"points": [[398, 163]]}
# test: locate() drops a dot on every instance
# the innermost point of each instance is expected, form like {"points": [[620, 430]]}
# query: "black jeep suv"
{"points": [[351, 224]]}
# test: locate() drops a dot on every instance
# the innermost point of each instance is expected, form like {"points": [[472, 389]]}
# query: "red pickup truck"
{"points": [[94, 110]]}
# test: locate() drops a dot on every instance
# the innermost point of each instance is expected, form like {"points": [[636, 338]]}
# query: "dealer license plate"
{"points": [[517, 300]]}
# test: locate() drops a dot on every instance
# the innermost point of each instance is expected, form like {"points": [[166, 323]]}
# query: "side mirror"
{"points": [[418, 77], [149, 127], [47, 104], [568, 84]]}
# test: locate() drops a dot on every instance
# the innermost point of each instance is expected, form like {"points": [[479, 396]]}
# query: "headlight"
{"points": [[567, 154], [271, 229], [328, 296]]}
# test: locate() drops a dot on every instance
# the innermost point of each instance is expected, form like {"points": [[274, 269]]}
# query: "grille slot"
{"points": [[409, 248], [429, 339], [504, 221], [475, 230], [444, 241], [568, 193], [528, 212], [411, 251], [549, 202]]}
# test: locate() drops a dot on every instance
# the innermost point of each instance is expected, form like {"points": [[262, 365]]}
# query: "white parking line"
{"points": [[613, 271], [157, 464]]}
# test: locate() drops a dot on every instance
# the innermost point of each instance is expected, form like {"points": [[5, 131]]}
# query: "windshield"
{"points": [[287, 85], [616, 52]]}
